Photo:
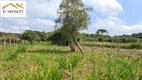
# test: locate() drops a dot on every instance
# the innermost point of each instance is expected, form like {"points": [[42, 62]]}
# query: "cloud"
{"points": [[20, 25], [18, 21], [12, 29], [42, 8], [105, 7], [40, 14], [43, 24], [116, 26]]}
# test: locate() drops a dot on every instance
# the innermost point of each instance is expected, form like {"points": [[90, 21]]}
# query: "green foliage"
{"points": [[137, 35], [71, 69], [101, 32], [74, 61], [120, 69], [63, 63], [73, 16], [21, 49], [38, 65], [30, 36], [114, 45], [56, 38], [55, 74], [107, 38], [14, 54], [136, 46], [42, 36]]}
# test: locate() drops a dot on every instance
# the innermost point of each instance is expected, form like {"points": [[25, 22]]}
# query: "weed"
{"points": [[55, 74], [63, 63], [74, 61]]}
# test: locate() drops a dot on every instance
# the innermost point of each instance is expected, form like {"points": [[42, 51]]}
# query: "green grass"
{"points": [[113, 45], [42, 61]]}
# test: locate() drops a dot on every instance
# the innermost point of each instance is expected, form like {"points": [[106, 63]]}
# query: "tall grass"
{"points": [[55, 74], [69, 66], [120, 69], [63, 63], [14, 54], [74, 61]]}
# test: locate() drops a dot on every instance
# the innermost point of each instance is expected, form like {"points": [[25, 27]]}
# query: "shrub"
{"points": [[135, 46]]}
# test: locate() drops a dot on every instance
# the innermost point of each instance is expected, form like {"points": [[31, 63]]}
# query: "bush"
{"points": [[135, 46]]}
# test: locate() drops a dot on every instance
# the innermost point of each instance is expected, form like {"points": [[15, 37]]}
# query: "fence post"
{"points": [[14, 42], [102, 47], [93, 48], [118, 50], [4, 43], [10, 42]]}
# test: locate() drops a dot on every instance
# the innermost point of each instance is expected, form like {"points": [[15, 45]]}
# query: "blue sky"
{"points": [[116, 16], [133, 11]]}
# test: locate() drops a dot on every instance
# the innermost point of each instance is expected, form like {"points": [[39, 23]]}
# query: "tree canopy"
{"points": [[101, 32], [73, 16], [30, 36]]}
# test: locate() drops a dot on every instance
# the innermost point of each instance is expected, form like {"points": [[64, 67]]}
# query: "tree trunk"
{"points": [[72, 46]]}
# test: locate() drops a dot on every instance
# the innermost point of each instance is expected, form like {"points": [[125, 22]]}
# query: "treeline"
{"points": [[107, 38], [32, 36], [28, 35], [55, 37]]}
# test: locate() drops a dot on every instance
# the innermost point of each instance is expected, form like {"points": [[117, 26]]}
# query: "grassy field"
{"points": [[42, 61], [114, 45]]}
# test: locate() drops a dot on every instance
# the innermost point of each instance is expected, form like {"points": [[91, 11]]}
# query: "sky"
{"points": [[116, 16]]}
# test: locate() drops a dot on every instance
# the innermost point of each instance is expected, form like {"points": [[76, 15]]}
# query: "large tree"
{"points": [[30, 36], [101, 32], [73, 17]]}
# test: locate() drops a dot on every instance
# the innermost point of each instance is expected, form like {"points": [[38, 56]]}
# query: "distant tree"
{"points": [[44, 36], [101, 32], [55, 38], [30, 36], [73, 16], [137, 35]]}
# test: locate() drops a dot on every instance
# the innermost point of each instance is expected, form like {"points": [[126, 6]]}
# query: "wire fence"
{"points": [[117, 51]]}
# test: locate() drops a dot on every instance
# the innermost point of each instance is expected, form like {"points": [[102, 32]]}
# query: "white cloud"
{"points": [[18, 21], [42, 8], [12, 29], [40, 13], [42, 24], [106, 7], [115, 26]]}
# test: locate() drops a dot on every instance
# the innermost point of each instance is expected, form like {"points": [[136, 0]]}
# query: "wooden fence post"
{"points": [[118, 50], [4, 43], [102, 47], [14, 42], [10, 42], [78, 45]]}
